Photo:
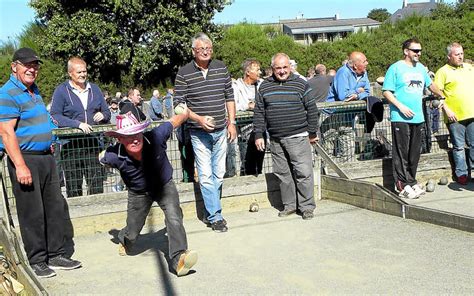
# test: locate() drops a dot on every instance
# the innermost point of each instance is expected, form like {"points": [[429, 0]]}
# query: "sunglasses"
{"points": [[415, 50]]}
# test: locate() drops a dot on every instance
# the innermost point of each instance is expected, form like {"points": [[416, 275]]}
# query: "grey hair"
{"points": [[450, 47], [74, 61], [202, 37], [320, 69], [278, 55], [248, 63]]}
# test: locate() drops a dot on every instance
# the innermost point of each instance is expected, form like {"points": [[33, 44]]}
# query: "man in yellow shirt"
{"points": [[455, 79]]}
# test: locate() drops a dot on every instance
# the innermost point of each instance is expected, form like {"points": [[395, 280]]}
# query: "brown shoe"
{"points": [[186, 262], [122, 250], [286, 213]]}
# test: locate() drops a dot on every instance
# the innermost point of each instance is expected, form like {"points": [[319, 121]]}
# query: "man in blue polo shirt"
{"points": [[25, 130], [145, 169]]}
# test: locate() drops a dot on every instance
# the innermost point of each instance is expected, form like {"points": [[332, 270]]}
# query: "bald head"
{"points": [[358, 62]]}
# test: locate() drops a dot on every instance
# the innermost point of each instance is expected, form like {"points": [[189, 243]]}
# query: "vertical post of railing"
{"points": [[4, 196], [317, 168]]}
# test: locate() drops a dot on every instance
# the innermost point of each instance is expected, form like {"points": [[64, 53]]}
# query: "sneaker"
{"points": [[186, 262], [408, 192], [418, 190], [308, 214], [462, 180], [42, 270], [208, 223], [286, 212], [219, 226], [62, 262]]}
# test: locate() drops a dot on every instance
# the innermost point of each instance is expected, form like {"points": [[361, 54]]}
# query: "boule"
{"points": [[253, 207], [443, 180]]}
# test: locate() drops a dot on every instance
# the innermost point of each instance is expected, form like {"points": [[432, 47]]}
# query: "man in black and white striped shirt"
{"points": [[286, 108], [205, 86]]}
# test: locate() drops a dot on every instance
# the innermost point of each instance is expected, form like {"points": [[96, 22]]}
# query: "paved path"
{"points": [[453, 198], [344, 250]]}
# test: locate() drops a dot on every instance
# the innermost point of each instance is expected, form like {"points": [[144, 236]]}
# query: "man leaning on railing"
{"points": [[80, 104]]}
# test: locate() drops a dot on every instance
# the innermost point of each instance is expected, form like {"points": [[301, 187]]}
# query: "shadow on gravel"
{"points": [[156, 242]]}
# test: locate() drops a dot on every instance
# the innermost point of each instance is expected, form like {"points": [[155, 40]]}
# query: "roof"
{"points": [[423, 9], [329, 22], [326, 25]]}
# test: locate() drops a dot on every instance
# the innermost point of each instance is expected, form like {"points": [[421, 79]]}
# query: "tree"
{"points": [[379, 14], [141, 42]]}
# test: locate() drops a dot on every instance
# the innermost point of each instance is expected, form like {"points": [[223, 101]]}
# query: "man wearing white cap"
{"points": [[146, 171]]}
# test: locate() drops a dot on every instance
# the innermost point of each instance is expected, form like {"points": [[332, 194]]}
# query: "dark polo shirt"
{"points": [[153, 171]]}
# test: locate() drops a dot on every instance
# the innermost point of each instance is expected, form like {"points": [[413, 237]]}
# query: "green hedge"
{"points": [[382, 46]]}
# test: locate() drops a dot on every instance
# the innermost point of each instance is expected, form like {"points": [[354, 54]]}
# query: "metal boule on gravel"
{"points": [[430, 187], [443, 180], [253, 207]]}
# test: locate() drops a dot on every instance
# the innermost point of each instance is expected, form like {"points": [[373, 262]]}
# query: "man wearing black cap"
{"points": [[25, 130]]}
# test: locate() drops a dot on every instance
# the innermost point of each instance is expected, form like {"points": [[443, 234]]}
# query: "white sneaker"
{"points": [[418, 190], [408, 192]]}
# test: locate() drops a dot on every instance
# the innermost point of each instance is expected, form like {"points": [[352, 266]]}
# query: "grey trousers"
{"points": [[293, 166], [138, 207]]}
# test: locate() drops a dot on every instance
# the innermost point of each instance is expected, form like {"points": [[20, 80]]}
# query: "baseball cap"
{"points": [[26, 55]]}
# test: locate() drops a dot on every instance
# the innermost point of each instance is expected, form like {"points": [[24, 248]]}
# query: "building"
{"points": [[409, 9], [307, 31]]}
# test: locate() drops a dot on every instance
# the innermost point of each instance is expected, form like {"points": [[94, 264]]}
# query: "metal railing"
{"points": [[344, 135]]}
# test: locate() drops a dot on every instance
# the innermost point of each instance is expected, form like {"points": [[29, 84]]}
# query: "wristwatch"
{"points": [[233, 122]]}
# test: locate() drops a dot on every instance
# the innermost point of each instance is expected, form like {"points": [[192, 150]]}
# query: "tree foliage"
{"points": [[379, 14], [133, 41]]}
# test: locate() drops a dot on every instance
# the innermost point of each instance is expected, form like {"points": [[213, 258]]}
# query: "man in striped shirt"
{"points": [[286, 108], [205, 86], [26, 137]]}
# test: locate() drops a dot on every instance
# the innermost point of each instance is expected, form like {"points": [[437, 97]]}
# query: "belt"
{"points": [[30, 152]]}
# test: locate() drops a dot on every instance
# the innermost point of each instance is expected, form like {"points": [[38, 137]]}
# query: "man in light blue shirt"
{"points": [[350, 83], [156, 110], [403, 87]]}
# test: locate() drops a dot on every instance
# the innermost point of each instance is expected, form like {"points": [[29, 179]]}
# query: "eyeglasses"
{"points": [[34, 65], [203, 49], [415, 50]]}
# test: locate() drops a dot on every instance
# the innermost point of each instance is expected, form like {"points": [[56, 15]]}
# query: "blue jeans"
{"points": [[461, 132], [210, 156]]}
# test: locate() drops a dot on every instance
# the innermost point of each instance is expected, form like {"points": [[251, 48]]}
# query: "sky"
{"points": [[16, 14]]}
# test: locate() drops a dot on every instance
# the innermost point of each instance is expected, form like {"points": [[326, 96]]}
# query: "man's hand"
{"points": [[360, 90], [406, 111], [98, 117], [23, 175], [313, 140], [251, 105], [85, 128], [450, 114], [231, 132], [351, 98], [260, 144], [207, 123]]}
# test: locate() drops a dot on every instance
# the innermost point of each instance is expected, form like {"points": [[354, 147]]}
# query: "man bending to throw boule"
{"points": [[144, 167]]}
